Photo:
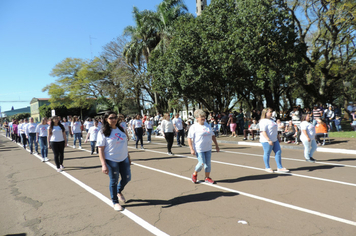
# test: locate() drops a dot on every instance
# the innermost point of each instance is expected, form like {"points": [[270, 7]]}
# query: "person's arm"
{"points": [[65, 138], [88, 134], [216, 144], [104, 167], [48, 138], [190, 142], [306, 134], [264, 134], [163, 126]]}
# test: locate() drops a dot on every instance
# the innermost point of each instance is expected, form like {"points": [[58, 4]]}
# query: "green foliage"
{"points": [[45, 111], [19, 116]]}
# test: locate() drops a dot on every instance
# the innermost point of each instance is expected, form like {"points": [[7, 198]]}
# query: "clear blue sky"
{"points": [[35, 35]]}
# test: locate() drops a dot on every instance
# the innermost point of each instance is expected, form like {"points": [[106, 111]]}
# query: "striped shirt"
{"points": [[316, 113]]}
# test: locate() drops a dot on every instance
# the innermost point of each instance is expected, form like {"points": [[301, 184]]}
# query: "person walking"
{"points": [[178, 126], [22, 130], [87, 124], [232, 124], [137, 126], [76, 131], [114, 157], [168, 132], [149, 128], [41, 131], [30, 131], [308, 138], [7, 129], [66, 126], [93, 134], [199, 139], [15, 131], [57, 141], [269, 140]]}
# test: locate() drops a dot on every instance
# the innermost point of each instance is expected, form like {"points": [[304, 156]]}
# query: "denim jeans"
{"points": [[31, 140], [267, 149], [44, 146], [309, 148], [180, 134], [67, 134], [7, 132], [115, 169], [139, 134], [92, 145], [149, 133], [204, 159], [338, 127], [77, 136]]}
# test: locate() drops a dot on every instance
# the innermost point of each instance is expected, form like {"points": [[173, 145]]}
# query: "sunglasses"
{"points": [[112, 118]]}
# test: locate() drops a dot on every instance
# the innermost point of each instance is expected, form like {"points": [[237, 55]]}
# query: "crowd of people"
{"points": [[109, 136]]}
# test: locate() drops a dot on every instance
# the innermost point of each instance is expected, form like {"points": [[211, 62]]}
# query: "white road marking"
{"points": [[108, 201], [255, 168]]}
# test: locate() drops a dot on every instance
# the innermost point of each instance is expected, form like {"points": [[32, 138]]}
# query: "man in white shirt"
{"points": [[178, 126]]}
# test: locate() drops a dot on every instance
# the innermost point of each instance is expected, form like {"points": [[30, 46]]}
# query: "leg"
{"points": [[149, 132], [170, 141], [178, 138], [55, 149], [61, 152], [167, 140], [267, 149], [307, 149], [200, 164], [30, 142], [125, 173], [36, 142], [207, 163], [92, 145], [80, 139], [278, 154], [114, 172], [313, 148], [42, 147], [182, 134], [137, 138]]}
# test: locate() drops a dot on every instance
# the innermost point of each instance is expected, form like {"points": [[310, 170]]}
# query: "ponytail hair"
{"points": [[106, 127]]}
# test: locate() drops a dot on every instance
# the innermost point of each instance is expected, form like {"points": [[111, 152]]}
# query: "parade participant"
{"points": [[57, 141], [167, 132], [199, 139], [76, 131], [132, 129], [22, 131], [269, 141], [122, 123], [87, 124], [42, 133], [30, 131], [15, 131], [149, 128], [93, 134], [66, 126], [114, 157], [7, 128], [308, 138], [178, 126], [137, 126]]}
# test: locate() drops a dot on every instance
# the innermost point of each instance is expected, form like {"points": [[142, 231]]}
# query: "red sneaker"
{"points": [[208, 180], [194, 178]]}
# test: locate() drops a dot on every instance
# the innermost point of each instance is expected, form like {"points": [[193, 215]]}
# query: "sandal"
{"points": [[283, 170], [269, 170]]}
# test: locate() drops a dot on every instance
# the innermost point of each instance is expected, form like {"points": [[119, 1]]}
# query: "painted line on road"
{"points": [[334, 218], [106, 200], [256, 168]]}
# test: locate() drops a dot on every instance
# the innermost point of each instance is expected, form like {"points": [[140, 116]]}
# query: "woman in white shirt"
{"points": [[167, 132], [270, 141], [149, 127], [93, 134], [41, 131], [200, 137], [87, 124], [137, 126], [57, 141], [76, 131], [66, 126], [114, 157], [308, 138]]}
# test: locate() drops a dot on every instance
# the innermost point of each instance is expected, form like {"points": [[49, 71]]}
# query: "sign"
{"points": [[53, 113]]}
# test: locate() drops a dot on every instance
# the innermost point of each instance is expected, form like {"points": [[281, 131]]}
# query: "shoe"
{"points": [[245, 139], [43, 160], [194, 178], [59, 170], [121, 197], [74, 146], [118, 207], [91, 153], [148, 141], [269, 170], [184, 145], [142, 148], [61, 167], [311, 158], [170, 153], [136, 147], [46, 159], [252, 139], [95, 153], [31, 153], [283, 170], [180, 145], [208, 180], [80, 147]]}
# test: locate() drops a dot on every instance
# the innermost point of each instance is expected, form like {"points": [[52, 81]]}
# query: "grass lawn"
{"points": [[347, 131]]}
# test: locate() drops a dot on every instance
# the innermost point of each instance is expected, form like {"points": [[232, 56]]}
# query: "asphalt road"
{"points": [[315, 199]]}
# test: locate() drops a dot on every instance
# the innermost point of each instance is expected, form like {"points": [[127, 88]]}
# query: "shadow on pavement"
{"points": [[342, 159], [81, 167], [23, 234], [251, 177], [73, 158], [159, 158], [200, 197], [312, 168]]}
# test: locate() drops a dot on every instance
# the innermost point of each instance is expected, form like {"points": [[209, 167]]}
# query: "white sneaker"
{"points": [[43, 160], [61, 167], [46, 159], [148, 141], [118, 207], [80, 147], [74, 146], [59, 170]]}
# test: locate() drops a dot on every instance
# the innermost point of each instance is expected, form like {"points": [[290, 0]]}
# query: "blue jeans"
{"points": [[338, 127], [77, 136], [267, 149], [204, 159], [115, 169], [309, 148], [149, 133], [314, 122], [7, 132], [92, 145], [67, 134], [31, 140], [44, 146], [180, 134]]}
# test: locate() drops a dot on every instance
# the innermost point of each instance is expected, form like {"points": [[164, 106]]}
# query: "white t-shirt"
{"points": [[57, 134], [22, 128], [100, 125], [201, 136], [309, 127], [66, 125], [149, 124], [76, 127], [115, 145], [167, 126], [31, 128], [178, 123], [93, 133], [123, 125], [137, 123], [88, 124], [271, 129], [42, 130]]}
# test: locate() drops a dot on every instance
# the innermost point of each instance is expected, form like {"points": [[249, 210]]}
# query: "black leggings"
{"points": [[24, 140], [139, 133], [169, 138], [58, 151]]}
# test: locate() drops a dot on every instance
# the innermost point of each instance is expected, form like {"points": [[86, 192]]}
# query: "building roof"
{"points": [[38, 99]]}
